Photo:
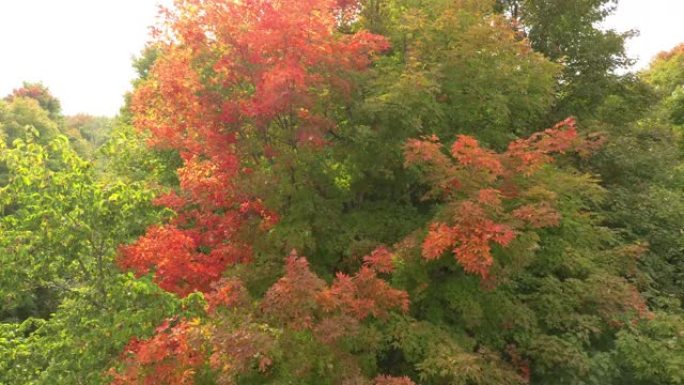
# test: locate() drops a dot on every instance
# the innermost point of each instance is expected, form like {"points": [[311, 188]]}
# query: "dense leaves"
{"points": [[237, 340], [567, 31], [480, 182], [396, 144]]}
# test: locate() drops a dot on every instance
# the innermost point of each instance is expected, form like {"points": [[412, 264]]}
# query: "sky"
{"points": [[658, 21], [82, 49]]}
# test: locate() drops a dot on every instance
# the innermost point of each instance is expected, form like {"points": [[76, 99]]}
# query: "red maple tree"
{"points": [[298, 301], [229, 72], [480, 185]]}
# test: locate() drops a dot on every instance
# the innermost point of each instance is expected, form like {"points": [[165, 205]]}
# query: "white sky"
{"points": [[82, 49], [659, 22]]}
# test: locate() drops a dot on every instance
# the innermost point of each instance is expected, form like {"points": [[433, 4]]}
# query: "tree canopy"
{"points": [[342, 192]]}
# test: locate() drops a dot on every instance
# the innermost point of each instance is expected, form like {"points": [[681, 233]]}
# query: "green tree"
{"points": [[666, 75], [642, 167], [41, 94], [93, 130], [568, 32], [24, 116], [62, 296]]}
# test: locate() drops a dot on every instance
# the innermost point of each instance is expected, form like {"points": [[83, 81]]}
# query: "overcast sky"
{"points": [[659, 22], [82, 49]]}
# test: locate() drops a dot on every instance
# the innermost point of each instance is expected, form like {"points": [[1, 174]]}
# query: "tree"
{"points": [[24, 116], [529, 266], [666, 76], [278, 142], [34, 106], [94, 129], [457, 68], [447, 242], [226, 114], [303, 330], [568, 32], [41, 94], [641, 167], [61, 294]]}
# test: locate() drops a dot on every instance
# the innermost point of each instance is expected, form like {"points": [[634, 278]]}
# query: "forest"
{"points": [[353, 192]]}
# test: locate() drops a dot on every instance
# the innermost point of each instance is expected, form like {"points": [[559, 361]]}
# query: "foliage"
{"points": [[41, 94], [238, 342], [93, 129], [392, 142], [567, 31], [526, 295], [666, 74], [482, 181], [33, 107], [86, 325], [24, 116], [62, 296], [60, 227], [642, 167], [457, 67]]}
